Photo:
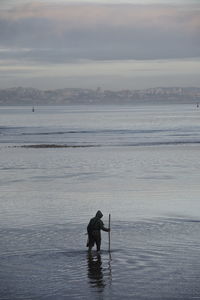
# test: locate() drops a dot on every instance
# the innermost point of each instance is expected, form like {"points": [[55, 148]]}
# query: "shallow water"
{"points": [[141, 165]]}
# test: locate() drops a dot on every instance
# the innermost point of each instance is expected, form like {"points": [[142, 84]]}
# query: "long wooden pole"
{"points": [[109, 232]]}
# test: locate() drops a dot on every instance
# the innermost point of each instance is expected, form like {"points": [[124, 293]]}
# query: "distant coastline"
{"points": [[79, 96]]}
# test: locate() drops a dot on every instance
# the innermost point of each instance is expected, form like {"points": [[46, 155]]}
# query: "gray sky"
{"points": [[113, 44]]}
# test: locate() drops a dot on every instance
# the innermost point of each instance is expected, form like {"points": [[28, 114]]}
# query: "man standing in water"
{"points": [[94, 231]]}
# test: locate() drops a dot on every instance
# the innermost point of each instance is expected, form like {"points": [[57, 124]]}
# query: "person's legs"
{"points": [[98, 244], [90, 242]]}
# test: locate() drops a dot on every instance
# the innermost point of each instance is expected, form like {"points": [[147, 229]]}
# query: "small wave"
{"points": [[158, 177], [43, 133], [96, 131], [181, 220], [162, 143], [24, 131], [46, 251]]}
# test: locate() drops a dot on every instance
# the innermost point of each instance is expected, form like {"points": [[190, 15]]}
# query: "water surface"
{"points": [[138, 163]]}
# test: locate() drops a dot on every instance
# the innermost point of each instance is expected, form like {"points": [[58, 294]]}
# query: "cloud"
{"points": [[63, 33]]}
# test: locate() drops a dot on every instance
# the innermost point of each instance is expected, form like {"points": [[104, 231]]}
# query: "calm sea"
{"points": [[59, 165]]}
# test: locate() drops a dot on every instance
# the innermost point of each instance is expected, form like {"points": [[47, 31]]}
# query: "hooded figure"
{"points": [[94, 231]]}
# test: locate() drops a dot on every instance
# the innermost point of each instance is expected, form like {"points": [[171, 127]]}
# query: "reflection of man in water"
{"points": [[95, 273], [94, 231]]}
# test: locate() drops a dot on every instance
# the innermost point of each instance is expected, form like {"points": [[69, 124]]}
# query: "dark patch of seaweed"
{"points": [[44, 146]]}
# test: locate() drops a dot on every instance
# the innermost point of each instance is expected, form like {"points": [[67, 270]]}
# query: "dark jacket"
{"points": [[96, 223]]}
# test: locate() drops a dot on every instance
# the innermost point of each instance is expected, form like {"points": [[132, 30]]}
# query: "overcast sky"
{"points": [[113, 44]]}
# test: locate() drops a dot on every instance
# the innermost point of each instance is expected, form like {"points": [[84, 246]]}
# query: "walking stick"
{"points": [[109, 233]]}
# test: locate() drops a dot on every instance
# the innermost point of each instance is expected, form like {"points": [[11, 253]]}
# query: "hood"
{"points": [[99, 214]]}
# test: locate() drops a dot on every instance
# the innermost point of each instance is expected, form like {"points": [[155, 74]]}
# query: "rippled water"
{"points": [[141, 164]]}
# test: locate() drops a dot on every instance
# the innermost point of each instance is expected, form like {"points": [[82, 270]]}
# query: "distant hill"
{"points": [[73, 96]]}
